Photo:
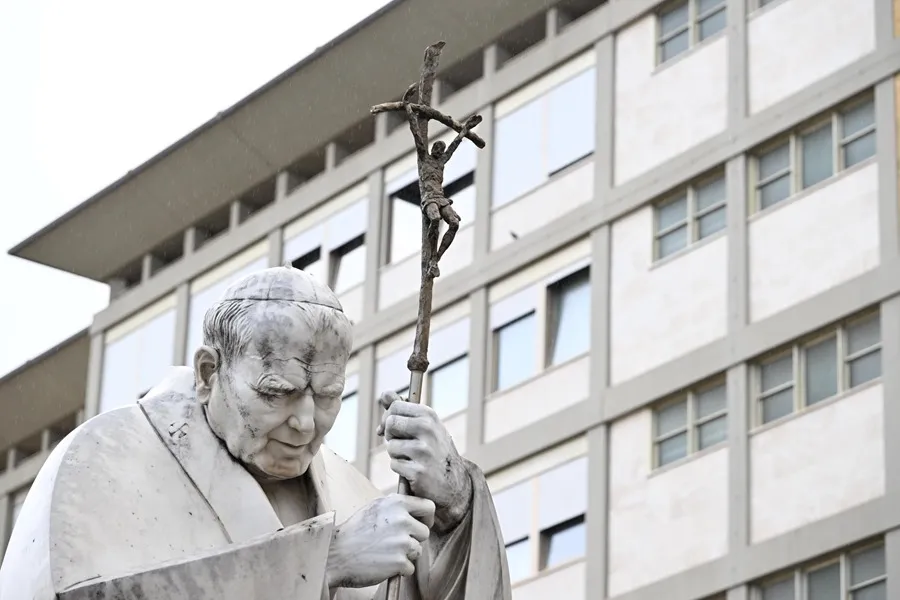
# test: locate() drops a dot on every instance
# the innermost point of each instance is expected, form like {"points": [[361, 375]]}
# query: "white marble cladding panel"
{"points": [[536, 399], [663, 111], [660, 312], [793, 44], [568, 582], [559, 196], [817, 464], [661, 523], [813, 243]]}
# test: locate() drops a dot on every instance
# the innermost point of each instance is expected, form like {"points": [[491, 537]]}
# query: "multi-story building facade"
{"points": [[667, 327]]}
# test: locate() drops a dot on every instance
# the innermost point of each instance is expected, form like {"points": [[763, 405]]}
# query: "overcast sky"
{"points": [[93, 88]]}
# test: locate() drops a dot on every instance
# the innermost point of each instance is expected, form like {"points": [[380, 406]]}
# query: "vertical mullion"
{"points": [[798, 359], [695, 21], [693, 438], [843, 372], [796, 164], [693, 231], [535, 532], [836, 146]]}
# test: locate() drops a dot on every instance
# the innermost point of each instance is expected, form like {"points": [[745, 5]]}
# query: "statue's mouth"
{"points": [[290, 446]]}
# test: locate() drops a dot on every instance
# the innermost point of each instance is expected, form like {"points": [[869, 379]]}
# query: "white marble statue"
{"points": [[216, 484]]}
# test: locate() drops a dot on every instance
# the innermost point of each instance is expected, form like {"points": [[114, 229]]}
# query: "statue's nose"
{"points": [[303, 418]]}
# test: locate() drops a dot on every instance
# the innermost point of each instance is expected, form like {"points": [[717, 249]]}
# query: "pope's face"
{"points": [[273, 406]]}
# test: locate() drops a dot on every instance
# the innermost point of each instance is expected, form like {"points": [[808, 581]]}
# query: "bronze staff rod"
{"points": [[436, 208]]}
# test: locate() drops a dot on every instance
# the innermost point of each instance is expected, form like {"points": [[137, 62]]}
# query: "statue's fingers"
{"points": [[411, 409], [402, 427], [386, 399]]}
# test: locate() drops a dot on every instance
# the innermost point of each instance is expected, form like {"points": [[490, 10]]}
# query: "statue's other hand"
{"points": [[380, 540], [422, 452]]}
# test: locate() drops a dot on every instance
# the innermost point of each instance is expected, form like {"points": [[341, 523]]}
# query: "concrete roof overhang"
{"points": [[289, 117], [45, 390]]}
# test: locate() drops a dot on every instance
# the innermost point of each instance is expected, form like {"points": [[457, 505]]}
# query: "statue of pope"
{"points": [[217, 485]]}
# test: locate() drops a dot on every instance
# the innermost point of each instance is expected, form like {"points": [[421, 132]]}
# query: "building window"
{"points": [[404, 211], [138, 354], [569, 329], [312, 263], [448, 387], [514, 345], [837, 141], [563, 542], [839, 360], [204, 295], [688, 22], [18, 500], [544, 136], [342, 437], [690, 423], [696, 213], [856, 575], [543, 519], [348, 265]]}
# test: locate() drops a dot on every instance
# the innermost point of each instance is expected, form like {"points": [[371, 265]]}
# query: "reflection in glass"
{"points": [[672, 449], [348, 265], [779, 590], [406, 217], [671, 418], [518, 158], [571, 115], [448, 390], [570, 330], [137, 361], [712, 432], [342, 437], [821, 371], [865, 368], [518, 557], [864, 334], [825, 583], [203, 300], [866, 565], [565, 542], [778, 405], [514, 352], [777, 372], [673, 241], [817, 155]]}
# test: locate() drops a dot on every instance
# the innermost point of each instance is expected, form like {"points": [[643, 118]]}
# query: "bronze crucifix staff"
{"points": [[436, 208]]}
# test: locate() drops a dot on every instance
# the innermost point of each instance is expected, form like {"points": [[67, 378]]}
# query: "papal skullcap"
{"points": [[282, 284]]}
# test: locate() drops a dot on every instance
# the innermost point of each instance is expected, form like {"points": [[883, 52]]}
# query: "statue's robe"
{"points": [[144, 502]]}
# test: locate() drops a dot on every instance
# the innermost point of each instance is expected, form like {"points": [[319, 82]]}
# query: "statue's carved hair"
{"points": [[228, 324]]}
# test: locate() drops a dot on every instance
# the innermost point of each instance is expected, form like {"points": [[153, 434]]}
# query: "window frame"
{"points": [[800, 575], [335, 258], [537, 537], [692, 422], [554, 313], [794, 136], [695, 18], [692, 217], [495, 350], [428, 396], [543, 130], [799, 367]]}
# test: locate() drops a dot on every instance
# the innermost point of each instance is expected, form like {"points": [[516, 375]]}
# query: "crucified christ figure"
{"points": [[435, 205]]}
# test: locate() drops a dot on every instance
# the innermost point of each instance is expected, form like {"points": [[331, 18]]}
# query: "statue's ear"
{"points": [[206, 365]]}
